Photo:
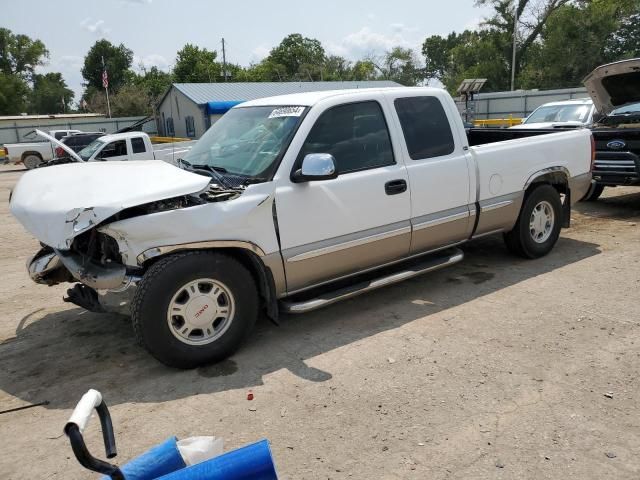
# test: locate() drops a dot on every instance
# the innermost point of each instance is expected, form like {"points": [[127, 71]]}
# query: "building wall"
{"points": [[179, 107], [16, 131], [519, 103]]}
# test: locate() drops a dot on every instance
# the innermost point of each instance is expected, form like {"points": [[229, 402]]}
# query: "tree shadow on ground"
{"points": [[57, 356]]}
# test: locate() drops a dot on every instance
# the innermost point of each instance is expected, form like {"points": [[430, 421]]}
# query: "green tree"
{"points": [[19, 56], [14, 92], [625, 41], [117, 60], [195, 64], [336, 68], [297, 54], [401, 65], [153, 81], [50, 94], [363, 70]]}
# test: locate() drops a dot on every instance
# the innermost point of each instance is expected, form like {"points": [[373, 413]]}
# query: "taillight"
{"points": [[593, 152], [60, 152]]}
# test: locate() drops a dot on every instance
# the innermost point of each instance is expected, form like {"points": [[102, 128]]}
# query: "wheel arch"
{"points": [[29, 153], [250, 255], [558, 178]]}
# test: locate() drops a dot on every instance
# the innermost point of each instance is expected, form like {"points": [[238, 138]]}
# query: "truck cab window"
{"points": [[137, 145], [114, 149], [425, 127], [355, 134]]}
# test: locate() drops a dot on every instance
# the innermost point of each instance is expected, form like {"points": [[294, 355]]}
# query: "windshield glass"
{"points": [[560, 113], [90, 149], [633, 108], [247, 140]]}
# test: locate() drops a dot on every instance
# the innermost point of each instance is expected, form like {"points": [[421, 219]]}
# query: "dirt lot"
{"points": [[495, 368]]}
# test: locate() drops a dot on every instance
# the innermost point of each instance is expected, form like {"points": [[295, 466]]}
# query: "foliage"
{"points": [[50, 94], [19, 56], [117, 60], [300, 56], [400, 65], [558, 43], [195, 64], [14, 92]]}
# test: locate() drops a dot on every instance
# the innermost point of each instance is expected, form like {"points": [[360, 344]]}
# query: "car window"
{"points": [[355, 134], [59, 135], [425, 126], [137, 145], [114, 149]]}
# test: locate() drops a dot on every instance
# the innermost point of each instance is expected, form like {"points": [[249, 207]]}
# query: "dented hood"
{"points": [[55, 204], [614, 85]]}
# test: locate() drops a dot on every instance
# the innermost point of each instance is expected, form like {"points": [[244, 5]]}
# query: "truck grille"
{"points": [[625, 164]]}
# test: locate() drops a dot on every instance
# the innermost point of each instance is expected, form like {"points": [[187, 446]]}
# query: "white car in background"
{"points": [[567, 113]]}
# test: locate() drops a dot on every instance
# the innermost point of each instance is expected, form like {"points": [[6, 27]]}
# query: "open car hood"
{"points": [[57, 142], [614, 85], [58, 203]]}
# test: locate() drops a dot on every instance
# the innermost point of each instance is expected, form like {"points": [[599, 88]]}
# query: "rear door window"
{"points": [[137, 145], [425, 126], [355, 134]]}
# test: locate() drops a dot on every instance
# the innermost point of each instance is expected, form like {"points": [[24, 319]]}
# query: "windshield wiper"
{"points": [[210, 167], [214, 171]]}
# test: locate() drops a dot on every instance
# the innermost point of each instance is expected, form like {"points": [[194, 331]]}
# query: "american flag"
{"points": [[105, 79]]}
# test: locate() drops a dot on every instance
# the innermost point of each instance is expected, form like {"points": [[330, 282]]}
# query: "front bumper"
{"points": [[617, 168], [111, 287]]}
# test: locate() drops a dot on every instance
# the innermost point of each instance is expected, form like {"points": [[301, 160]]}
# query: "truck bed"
{"points": [[482, 136]]}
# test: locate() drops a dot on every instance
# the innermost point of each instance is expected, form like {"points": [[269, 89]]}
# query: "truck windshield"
{"points": [[90, 149], [633, 108], [247, 140], [560, 113]]}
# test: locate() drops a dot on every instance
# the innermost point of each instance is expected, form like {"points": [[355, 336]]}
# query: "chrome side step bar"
{"points": [[443, 259]]}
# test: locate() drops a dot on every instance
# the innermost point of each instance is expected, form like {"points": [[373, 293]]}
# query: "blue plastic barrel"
{"points": [[253, 462]]}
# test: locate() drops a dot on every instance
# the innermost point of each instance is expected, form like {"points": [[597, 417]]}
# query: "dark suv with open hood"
{"points": [[615, 90]]}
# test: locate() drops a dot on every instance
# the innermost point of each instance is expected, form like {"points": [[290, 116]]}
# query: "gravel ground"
{"points": [[495, 368]]}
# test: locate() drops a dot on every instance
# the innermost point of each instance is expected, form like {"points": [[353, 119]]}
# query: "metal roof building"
{"points": [[189, 109]]}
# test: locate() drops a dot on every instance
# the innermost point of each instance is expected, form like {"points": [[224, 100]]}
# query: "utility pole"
{"points": [[224, 62], [513, 54]]}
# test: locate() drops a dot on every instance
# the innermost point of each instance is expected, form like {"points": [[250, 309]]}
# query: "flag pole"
{"points": [[105, 84]]}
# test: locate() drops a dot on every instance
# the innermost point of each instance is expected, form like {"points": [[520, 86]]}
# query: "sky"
{"points": [[156, 29]]}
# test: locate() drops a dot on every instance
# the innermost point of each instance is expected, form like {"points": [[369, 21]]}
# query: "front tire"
{"points": [[594, 194], [538, 226], [194, 308]]}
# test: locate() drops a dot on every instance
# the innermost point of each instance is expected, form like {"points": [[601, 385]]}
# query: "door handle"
{"points": [[395, 187]]}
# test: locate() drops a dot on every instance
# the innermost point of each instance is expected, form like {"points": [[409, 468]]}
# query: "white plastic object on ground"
{"points": [[198, 449], [84, 409]]}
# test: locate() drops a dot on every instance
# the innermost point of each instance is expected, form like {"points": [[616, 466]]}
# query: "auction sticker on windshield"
{"points": [[287, 112]]}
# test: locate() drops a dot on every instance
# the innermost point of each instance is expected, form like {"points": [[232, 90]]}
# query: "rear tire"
{"points": [[194, 308], [538, 226], [594, 195], [31, 161]]}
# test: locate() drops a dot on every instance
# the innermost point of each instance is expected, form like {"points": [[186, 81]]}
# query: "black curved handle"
{"points": [[84, 457]]}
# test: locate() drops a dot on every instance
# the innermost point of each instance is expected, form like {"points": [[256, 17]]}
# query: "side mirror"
{"points": [[316, 166]]}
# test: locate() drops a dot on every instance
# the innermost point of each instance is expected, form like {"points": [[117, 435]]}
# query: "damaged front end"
{"points": [[97, 261], [93, 260]]}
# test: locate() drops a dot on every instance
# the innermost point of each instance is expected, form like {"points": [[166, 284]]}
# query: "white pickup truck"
{"points": [[32, 154], [292, 203], [123, 147]]}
